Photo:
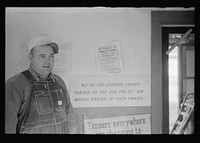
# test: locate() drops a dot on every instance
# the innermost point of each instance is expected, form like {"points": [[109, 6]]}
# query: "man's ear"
{"points": [[30, 56]]}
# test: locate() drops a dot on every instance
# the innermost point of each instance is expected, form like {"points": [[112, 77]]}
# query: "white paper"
{"points": [[135, 124], [109, 91], [109, 58]]}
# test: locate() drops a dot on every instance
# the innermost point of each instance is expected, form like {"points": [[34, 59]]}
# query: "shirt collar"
{"points": [[37, 76]]}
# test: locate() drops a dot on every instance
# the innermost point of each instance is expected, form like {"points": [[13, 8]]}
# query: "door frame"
{"points": [[158, 108], [165, 72]]}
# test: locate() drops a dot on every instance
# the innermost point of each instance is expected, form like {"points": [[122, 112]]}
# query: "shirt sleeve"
{"points": [[13, 94]]}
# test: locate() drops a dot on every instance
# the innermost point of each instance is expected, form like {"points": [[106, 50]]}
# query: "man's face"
{"points": [[42, 59]]}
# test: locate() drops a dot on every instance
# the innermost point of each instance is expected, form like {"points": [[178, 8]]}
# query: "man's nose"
{"points": [[48, 60]]}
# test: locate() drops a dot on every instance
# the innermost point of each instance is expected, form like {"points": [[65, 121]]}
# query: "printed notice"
{"points": [[109, 58], [62, 61], [135, 124], [109, 91]]}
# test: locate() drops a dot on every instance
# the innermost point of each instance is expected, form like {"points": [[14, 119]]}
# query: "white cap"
{"points": [[41, 40]]}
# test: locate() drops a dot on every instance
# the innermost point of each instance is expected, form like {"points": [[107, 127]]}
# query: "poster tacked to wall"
{"points": [[135, 124], [62, 61], [109, 58], [110, 91]]}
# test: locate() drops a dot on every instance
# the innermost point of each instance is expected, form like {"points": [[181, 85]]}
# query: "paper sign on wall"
{"points": [[109, 91], [135, 124], [62, 61], [109, 58]]}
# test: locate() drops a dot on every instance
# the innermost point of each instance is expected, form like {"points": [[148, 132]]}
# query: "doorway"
{"points": [[178, 73], [160, 107]]}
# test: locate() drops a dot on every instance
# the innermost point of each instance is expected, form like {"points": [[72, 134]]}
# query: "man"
{"points": [[37, 101]]}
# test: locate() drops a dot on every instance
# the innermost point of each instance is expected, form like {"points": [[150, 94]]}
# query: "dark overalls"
{"points": [[45, 108]]}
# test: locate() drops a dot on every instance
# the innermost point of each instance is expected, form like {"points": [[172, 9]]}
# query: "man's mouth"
{"points": [[46, 66]]}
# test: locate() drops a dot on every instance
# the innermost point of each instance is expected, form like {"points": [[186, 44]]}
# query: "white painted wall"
{"points": [[86, 29]]}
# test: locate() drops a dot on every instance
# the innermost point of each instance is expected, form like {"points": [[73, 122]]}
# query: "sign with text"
{"points": [[109, 58], [135, 124], [109, 91]]}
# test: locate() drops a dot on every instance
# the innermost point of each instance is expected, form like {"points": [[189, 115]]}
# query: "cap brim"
{"points": [[55, 47]]}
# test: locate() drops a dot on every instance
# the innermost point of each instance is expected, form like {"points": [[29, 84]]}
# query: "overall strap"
{"points": [[21, 120], [28, 75]]}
